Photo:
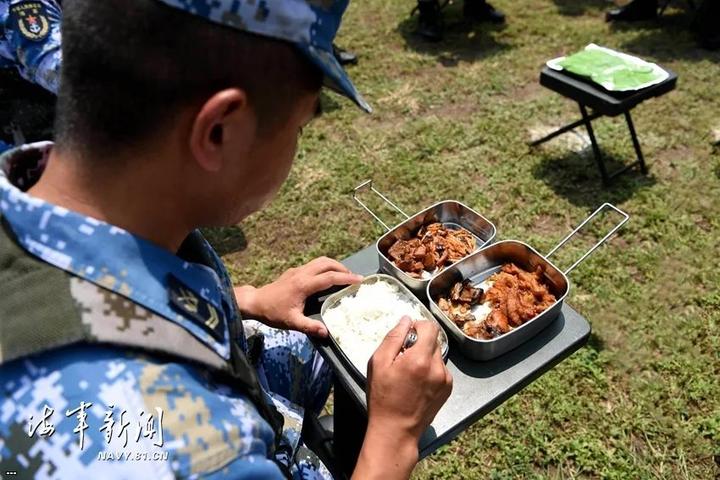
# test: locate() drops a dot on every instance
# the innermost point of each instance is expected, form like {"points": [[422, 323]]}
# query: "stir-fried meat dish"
{"points": [[514, 296], [433, 247], [463, 297]]}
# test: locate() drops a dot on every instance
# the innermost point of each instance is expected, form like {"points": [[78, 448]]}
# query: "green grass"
{"points": [[642, 399]]}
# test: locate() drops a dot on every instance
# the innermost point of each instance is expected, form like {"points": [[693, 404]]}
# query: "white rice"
{"points": [[359, 323]]}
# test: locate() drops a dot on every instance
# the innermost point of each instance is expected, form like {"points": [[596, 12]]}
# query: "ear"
{"points": [[220, 114]]}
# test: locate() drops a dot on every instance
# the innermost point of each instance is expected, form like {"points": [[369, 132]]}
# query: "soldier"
{"points": [[29, 51], [30, 40], [123, 352]]}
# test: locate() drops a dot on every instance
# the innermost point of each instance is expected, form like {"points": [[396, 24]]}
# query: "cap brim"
{"points": [[336, 78]]}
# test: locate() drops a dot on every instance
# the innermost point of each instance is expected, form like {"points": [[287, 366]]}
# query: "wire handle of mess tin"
{"points": [[369, 184], [626, 217]]}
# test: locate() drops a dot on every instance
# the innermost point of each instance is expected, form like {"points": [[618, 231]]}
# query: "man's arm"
{"points": [[405, 391], [32, 32], [386, 456]]}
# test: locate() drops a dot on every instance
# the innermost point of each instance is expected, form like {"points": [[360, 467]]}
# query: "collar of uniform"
{"points": [[110, 256]]}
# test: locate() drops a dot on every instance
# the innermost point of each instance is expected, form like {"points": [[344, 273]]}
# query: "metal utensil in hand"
{"points": [[410, 339]]}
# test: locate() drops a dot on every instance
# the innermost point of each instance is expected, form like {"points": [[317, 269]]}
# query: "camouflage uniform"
{"points": [[30, 40], [75, 291]]}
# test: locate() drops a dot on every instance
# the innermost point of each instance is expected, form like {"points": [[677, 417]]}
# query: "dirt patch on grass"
{"points": [[454, 111], [702, 222], [666, 163], [621, 242], [549, 226], [637, 274], [525, 93], [380, 121], [404, 98], [308, 175], [614, 339]]}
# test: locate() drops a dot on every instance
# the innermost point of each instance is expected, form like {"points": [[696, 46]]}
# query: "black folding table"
{"points": [[478, 387], [602, 102]]}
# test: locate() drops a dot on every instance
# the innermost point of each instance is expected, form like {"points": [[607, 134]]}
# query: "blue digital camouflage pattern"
{"points": [[133, 267], [210, 429], [30, 40], [309, 24]]}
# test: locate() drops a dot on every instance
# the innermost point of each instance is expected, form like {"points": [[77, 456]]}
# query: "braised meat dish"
{"points": [[463, 297], [433, 247], [504, 301]]}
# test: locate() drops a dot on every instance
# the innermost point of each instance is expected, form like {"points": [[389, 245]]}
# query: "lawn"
{"points": [[642, 398]]}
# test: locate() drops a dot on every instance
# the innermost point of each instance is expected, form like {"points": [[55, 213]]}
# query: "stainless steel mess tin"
{"points": [[482, 264], [477, 268], [450, 213], [351, 290]]}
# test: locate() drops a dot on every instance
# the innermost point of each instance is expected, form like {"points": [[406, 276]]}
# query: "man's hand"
{"points": [[405, 392], [280, 304]]}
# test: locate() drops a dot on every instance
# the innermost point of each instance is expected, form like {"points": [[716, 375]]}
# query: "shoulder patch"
{"points": [[31, 20], [196, 308]]}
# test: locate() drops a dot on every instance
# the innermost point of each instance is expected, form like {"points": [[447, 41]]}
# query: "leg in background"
{"points": [[634, 11], [430, 25], [481, 11]]}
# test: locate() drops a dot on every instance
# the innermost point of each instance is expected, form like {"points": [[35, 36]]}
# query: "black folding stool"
{"points": [[602, 102]]}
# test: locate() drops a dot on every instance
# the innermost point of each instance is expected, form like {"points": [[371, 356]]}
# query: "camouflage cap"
{"points": [[309, 24]]}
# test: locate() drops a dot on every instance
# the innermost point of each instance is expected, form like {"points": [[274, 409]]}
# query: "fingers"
{"points": [[324, 264], [308, 326], [323, 273], [440, 377], [393, 342], [427, 333], [444, 376], [448, 383], [426, 356], [445, 381], [323, 281]]}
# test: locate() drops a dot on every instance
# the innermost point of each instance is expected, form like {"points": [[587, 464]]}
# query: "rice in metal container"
{"points": [[359, 322]]}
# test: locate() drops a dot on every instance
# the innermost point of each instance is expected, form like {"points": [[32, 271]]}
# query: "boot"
{"points": [[430, 20], [344, 57], [481, 11], [634, 11]]}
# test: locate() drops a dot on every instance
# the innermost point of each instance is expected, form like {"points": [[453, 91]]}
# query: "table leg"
{"points": [[636, 143], [596, 149], [350, 425], [561, 130]]}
